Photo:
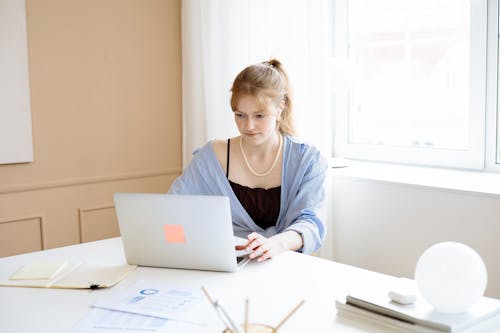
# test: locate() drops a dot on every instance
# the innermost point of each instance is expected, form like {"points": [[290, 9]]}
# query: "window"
{"points": [[411, 81]]}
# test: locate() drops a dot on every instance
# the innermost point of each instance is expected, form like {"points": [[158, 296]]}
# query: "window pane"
{"points": [[414, 60]]}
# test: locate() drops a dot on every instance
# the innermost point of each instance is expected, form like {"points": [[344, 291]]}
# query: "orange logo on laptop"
{"points": [[174, 233]]}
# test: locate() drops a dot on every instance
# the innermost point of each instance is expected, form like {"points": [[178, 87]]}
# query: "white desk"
{"points": [[273, 287]]}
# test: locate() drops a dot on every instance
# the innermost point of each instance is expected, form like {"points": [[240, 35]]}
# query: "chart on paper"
{"points": [[161, 300]]}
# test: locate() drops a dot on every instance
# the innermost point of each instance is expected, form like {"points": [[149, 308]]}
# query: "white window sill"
{"points": [[447, 179]]}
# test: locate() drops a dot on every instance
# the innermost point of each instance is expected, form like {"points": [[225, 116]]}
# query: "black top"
{"points": [[263, 205]]}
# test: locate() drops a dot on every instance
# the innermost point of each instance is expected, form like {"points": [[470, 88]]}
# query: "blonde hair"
{"points": [[268, 82]]}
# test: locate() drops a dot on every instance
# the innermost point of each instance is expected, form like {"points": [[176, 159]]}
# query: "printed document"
{"points": [[100, 321], [161, 300]]}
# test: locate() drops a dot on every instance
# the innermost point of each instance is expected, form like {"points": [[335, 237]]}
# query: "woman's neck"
{"points": [[267, 147]]}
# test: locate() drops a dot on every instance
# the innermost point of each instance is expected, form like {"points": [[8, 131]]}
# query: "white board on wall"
{"points": [[16, 142]]}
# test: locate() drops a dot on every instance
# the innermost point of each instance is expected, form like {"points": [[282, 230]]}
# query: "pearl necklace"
{"points": [[272, 166]]}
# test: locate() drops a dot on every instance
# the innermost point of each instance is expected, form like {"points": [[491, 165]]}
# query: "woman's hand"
{"points": [[264, 248]]}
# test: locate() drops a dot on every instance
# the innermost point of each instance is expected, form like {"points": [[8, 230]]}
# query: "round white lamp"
{"points": [[451, 276]]}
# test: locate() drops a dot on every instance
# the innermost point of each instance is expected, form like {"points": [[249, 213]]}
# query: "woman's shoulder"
{"points": [[301, 146], [307, 157], [220, 147], [308, 153], [203, 149]]}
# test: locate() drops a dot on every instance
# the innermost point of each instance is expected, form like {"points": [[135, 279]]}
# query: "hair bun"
{"points": [[272, 63]]}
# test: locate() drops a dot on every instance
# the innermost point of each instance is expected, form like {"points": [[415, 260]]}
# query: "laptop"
{"points": [[178, 231]]}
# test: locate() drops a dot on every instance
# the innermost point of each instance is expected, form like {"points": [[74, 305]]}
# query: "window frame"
{"points": [[481, 98], [492, 156]]}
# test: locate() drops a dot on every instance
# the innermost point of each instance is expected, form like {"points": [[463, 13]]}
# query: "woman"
{"points": [[274, 181]]}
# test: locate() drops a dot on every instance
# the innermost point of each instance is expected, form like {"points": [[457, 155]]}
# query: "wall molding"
{"points": [[40, 219], [82, 211], [87, 180]]}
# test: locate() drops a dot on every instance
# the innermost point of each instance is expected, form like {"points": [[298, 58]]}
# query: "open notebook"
{"points": [[74, 275]]}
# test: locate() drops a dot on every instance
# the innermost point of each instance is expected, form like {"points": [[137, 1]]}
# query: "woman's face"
{"points": [[256, 123]]}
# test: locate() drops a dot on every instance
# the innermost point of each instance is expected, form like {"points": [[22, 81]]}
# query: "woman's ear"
{"points": [[281, 108], [282, 105]]}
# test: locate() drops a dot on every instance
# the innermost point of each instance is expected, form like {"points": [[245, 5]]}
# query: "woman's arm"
{"points": [[305, 197]]}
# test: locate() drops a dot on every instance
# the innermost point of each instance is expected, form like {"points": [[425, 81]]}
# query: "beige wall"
{"points": [[105, 80]]}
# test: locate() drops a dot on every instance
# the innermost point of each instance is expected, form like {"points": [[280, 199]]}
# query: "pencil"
{"points": [[223, 315], [208, 296], [246, 315], [289, 315]]}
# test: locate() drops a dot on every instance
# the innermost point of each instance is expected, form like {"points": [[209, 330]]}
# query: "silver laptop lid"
{"points": [[176, 231]]}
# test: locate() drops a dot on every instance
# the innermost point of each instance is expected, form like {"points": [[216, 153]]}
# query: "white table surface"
{"points": [[274, 287]]}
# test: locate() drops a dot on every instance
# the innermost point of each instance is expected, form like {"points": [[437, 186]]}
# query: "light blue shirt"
{"points": [[302, 191]]}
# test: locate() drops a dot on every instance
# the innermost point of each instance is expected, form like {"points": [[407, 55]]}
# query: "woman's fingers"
{"points": [[265, 256], [262, 248], [243, 246], [254, 241]]}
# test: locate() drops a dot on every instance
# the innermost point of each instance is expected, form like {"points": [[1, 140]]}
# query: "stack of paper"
{"points": [[375, 305], [148, 306]]}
